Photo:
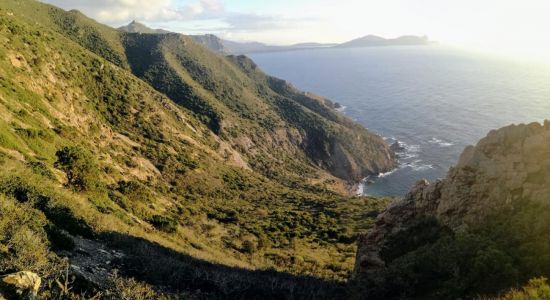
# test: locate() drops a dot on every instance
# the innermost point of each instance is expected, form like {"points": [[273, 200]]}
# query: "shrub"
{"points": [[129, 288], [32, 194], [40, 168], [135, 191], [224, 215], [163, 223], [248, 246], [80, 167], [23, 242], [536, 289], [440, 264]]}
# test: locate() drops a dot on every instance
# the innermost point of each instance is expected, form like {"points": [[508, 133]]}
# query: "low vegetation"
{"points": [[87, 149], [536, 288], [428, 261], [79, 166]]}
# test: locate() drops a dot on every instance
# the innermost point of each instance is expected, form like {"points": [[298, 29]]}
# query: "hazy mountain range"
{"points": [[232, 47]]}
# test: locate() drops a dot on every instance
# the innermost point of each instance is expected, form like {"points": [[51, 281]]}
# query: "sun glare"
{"points": [[512, 27], [509, 27]]}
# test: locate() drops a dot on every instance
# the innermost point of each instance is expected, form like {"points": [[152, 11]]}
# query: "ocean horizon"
{"points": [[433, 100]]}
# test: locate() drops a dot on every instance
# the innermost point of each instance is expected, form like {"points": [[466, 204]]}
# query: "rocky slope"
{"points": [[150, 143], [505, 173]]}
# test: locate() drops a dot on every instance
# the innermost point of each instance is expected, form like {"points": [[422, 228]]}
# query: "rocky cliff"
{"points": [[507, 170]]}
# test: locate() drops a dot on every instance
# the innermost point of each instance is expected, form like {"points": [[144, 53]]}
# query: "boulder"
{"points": [[397, 147], [20, 285]]}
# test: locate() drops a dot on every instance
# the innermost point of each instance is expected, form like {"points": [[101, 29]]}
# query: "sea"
{"points": [[433, 100]]}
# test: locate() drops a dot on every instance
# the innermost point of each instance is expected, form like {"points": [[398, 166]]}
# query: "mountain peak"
{"points": [[137, 27]]}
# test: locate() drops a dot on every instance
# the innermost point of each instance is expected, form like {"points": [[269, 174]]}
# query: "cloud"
{"points": [[186, 16], [116, 12], [254, 22], [205, 7]]}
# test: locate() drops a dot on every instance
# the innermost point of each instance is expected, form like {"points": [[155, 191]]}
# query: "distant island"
{"points": [[376, 41], [223, 46], [256, 47]]}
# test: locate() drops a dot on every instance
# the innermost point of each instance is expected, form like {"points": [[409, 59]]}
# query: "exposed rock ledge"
{"points": [[510, 164]]}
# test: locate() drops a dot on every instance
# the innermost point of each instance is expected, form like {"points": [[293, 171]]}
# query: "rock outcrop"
{"points": [[508, 165], [20, 285], [93, 261]]}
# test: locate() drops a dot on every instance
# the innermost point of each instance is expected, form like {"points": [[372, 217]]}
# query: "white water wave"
{"points": [[360, 189], [408, 151], [440, 142], [341, 108], [418, 165], [382, 175]]}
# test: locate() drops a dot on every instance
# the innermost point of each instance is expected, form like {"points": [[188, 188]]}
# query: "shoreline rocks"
{"points": [[397, 147]]}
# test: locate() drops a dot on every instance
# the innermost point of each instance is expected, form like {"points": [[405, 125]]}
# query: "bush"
{"points": [[40, 168], [428, 261], [23, 242], [163, 223], [536, 289], [129, 288], [37, 196], [135, 191], [248, 246], [80, 167]]}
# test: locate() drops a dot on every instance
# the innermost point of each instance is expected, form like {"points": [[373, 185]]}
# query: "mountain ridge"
{"points": [[149, 143], [224, 46], [113, 49]]}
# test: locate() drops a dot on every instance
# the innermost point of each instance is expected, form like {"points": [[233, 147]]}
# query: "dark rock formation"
{"points": [[397, 147], [93, 261]]}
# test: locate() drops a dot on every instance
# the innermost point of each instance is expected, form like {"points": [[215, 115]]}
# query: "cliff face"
{"points": [[507, 168], [211, 42]]}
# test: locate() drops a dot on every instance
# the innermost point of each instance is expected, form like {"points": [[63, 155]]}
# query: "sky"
{"points": [[513, 26]]}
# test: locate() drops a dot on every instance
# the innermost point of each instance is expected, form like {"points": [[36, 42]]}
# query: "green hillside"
{"points": [[246, 109], [185, 161]]}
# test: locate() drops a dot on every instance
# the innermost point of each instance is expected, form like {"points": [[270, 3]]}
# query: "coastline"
{"points": [[359, 188]]}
